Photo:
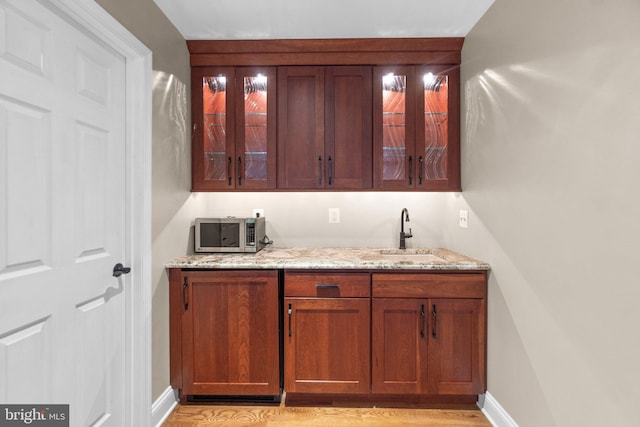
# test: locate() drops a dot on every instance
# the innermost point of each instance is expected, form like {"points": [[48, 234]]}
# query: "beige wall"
{"points": [[551, 125]]}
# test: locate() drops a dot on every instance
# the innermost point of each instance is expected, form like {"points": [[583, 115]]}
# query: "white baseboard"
{"points": [[163, 406], [495, 413]]}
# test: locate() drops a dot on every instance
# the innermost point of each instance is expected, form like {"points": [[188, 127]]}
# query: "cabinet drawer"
{"points": [[329, 285], [463, 285]]}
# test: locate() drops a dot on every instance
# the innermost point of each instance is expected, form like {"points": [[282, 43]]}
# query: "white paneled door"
{"points": [[63, 216]]}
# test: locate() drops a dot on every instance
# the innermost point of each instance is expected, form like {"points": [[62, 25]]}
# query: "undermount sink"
{"points": [[409, 256]]}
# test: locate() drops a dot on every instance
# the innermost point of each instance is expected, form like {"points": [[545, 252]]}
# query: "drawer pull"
{"points": [[323, 286]]}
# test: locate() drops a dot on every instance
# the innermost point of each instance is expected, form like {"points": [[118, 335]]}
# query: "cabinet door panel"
{"points": [[301, 157], [456, 346], [394, 128], [230, 333], [327, 345], [399, 345], [255, 128], [348, 127], [438, 128], [213, 150]]}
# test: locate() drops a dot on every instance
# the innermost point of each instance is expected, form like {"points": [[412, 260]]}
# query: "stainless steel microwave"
{"points": [[229, 234]]}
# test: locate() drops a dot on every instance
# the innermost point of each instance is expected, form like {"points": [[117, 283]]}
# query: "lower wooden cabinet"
{"points": [[427, 346], [225, 333], [327, 333], [385, 335], [429, 334], [361, 335]]}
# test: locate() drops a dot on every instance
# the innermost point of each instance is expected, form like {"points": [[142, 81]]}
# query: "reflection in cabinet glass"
{"points": [[436, 121], [394, 94], [214, 98], [255, 128]]}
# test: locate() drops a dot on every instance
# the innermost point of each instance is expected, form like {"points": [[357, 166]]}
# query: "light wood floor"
{"points": [[268, 416]]}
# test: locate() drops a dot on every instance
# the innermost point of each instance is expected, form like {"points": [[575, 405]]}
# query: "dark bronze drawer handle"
{"points": [[323, 286], [422, 318]]}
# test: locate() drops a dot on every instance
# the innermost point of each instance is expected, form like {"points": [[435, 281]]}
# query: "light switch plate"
{"points": [[334, 215], [463, 218]]}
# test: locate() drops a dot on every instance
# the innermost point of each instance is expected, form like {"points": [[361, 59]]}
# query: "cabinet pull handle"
{"points": [[184, 293], [434, 332], [423, 320], [239, 170], [229, 169], [323, 286], [420, 162], [330, 171], [319, 170], [289, 312], [410, 170]]}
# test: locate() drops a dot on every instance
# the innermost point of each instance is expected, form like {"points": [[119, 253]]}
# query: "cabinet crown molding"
{"points": [[370, 51]]}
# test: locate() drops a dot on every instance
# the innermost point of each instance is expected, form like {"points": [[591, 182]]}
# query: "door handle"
{"points": [[119, 270], [434, 332]]}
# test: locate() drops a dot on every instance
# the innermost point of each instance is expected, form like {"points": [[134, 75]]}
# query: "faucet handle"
{"points": [[408, 235]]}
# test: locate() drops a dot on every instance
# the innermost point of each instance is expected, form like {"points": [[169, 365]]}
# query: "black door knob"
{"points": [[119, 270]]}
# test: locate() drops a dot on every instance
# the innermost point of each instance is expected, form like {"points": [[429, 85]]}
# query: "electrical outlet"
{"points": [[258, 212], [463, 218], [334, 215]]}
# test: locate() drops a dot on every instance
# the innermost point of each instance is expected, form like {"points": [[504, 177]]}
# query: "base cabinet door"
{"points": [[428, 346], [229, 333], [399, 346], [326, 345], [456, 360]]}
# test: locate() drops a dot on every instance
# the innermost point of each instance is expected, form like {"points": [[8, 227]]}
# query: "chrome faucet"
{"points": [[404, 235]]}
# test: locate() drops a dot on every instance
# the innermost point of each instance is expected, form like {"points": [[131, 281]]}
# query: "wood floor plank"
{"points": [[269, 416]]}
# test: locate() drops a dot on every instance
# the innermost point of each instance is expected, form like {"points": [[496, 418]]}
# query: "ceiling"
{"points": [[303, 19]]}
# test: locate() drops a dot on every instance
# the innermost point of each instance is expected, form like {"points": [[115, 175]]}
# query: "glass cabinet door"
{"points": [[437, 128], [213, 128], [256, 130], [394, 156], [416, 128], [233, 128]]}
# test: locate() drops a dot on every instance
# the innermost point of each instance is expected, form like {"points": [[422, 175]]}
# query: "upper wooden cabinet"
{"points": [[416, 128], [324, 128], [352, 114], [234, 128]]}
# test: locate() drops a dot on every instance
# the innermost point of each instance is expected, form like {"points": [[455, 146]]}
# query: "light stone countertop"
{"points": [[334, 258]]}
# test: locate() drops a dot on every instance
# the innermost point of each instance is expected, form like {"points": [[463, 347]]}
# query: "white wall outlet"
{"points": [[258, 212], [334, 215], [463, 218]]}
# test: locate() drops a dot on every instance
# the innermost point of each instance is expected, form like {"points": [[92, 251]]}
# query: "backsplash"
{"points": [[367, 219]]}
